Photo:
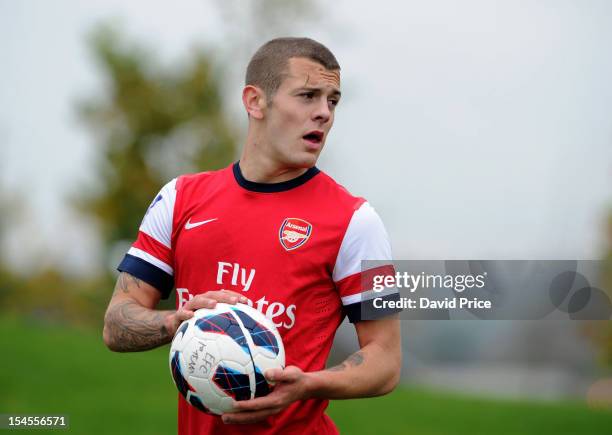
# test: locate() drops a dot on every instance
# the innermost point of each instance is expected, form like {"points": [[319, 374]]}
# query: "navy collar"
{"points": [[273, 187]]}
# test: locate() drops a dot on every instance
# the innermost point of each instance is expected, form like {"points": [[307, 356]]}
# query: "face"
{"points": [[301, 113]]}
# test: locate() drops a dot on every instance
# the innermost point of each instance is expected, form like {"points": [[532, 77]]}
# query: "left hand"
{"points": [[291, 385]]}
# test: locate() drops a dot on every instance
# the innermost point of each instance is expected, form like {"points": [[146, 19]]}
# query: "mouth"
{"points": [[314, 137]]}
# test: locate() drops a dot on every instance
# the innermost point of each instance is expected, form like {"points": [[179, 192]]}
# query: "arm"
{"points": [[132, 324], [372, 371]]}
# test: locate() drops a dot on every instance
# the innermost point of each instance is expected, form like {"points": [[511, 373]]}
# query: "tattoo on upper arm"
{"points": [[354, 360], [134, 327], [124, 281]]}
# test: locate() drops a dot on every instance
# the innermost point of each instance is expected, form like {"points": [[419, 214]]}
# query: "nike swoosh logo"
{"points": [[189, 225]]}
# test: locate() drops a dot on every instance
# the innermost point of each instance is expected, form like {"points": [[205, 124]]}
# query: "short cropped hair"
{"points": [[269, 63]]}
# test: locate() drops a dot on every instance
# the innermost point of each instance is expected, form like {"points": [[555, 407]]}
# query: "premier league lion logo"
{"points": [[294, 233]]}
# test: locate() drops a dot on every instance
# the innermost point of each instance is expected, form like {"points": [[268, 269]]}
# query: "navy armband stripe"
{"points": [[149, 273], [365, 310]]}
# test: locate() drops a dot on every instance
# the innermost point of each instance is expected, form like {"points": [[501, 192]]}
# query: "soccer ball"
{"points": [[221, 354]]}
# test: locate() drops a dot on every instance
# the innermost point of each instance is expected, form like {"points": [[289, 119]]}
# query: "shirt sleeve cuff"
{"points": [[149, 273], [372, 309]]}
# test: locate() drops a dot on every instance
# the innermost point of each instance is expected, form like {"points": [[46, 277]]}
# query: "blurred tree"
{"points": [[11, 210], [152, 124], [603, 331], [607, 285], [600, 331]]}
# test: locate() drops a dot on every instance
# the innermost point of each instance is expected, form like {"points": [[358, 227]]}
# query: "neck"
{"points": [[256, 165]]}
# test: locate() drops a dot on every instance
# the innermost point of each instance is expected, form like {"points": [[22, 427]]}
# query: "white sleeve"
{"points": [[150, 256], [157, 221], [365, 239]]}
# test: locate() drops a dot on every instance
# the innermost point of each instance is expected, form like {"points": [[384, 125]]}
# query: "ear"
{"points": [[254, 101]]}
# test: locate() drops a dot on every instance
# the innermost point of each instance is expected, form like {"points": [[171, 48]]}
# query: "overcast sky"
{"points": [[477, 129]]}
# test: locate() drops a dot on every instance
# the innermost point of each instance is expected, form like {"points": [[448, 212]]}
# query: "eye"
{"points": [[307, 95], [333, 102]]}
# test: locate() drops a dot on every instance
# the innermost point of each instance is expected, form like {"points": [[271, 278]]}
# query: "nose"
{"points": [[322, 113]]}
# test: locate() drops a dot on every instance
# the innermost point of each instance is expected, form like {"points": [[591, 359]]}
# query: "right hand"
{"points": [[203, 300]]}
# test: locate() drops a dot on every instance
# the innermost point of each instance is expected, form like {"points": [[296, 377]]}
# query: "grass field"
{"points": [[48, 370]]}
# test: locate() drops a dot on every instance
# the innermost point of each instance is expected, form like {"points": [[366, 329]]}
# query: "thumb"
{"points": [[184, 314]]}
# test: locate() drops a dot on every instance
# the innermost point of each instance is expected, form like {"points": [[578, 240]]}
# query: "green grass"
{"points": [[409, 411], [49, 369]]}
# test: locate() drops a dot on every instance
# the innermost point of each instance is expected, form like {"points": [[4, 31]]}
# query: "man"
{"points": [[275, 232]]}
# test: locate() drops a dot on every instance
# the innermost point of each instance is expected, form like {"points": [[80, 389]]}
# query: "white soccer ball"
{"points": [[221, 354]]}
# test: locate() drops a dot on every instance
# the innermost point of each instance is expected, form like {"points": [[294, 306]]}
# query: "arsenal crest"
{"points": [[294, 233]]}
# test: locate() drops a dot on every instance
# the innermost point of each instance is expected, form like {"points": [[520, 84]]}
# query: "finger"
{"points": [[240, 297], [272, 400], [249, 417], [199, 302], [289, 374], [227, 296], [274, 375], [211, 298]]}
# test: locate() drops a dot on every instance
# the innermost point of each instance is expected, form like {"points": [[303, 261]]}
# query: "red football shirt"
{"points": [[293, 248]]}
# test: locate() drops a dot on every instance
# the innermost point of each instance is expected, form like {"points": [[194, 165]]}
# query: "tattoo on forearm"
{"points": [[134, 327], [354, 360]]}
